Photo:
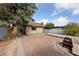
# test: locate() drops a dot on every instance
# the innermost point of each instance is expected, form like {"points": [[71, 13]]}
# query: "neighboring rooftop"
{"points": [[35, 24]]}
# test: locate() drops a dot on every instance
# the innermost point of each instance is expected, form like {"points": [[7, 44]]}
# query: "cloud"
{"points": [[66, 6], [44, 21], [59, 7], [75, 12], [55, 13], [61, 21]]}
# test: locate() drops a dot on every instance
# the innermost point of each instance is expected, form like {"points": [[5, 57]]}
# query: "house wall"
{"points": [[30, 31]]}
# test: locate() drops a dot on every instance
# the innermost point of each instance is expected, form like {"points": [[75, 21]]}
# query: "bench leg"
{"points": [[63, 45]]}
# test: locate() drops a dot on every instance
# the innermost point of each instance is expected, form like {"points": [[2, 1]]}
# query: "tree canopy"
{"points": [[49, 26], [71, 29], [17, 13]]}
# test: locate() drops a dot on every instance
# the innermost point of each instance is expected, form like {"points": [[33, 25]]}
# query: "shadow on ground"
{"points": [[60, 44]]}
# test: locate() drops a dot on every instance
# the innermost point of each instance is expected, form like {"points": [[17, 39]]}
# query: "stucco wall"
{"points": [[30, 31]]}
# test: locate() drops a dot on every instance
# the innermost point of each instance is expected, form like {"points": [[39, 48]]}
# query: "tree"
{"points": [[16, 13], [49, 26], [71, 29]]}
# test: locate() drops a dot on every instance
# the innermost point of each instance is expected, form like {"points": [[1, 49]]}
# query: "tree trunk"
{"points": [[10, 33]]}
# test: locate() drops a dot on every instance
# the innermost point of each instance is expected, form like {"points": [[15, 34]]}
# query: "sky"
{"points": [[59, 14]]}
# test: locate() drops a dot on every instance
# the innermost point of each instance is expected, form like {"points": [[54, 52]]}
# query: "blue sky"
{"points": [[58, 13]]}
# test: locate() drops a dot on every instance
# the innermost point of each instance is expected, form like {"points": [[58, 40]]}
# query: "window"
{"points": [[33, 28]]}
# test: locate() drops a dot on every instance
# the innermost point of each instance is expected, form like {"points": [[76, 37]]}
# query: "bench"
{"points": [[67, 42]]}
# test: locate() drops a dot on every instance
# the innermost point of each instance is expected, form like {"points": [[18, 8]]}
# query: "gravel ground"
{"points": [[32, 45], [41, 45], [8, 47]]}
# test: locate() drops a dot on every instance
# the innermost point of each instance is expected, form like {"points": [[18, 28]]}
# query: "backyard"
{"points": [[25, 31]]}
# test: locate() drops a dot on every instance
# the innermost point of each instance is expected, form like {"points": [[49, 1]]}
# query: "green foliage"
{"points": [[49, 26], [17, 13], [3, 24], [71, 29]]}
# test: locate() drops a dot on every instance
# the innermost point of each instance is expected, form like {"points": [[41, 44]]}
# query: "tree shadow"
{"points": [[60, 43]]}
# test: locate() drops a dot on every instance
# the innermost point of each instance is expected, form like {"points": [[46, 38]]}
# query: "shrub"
{"points": [[49, 26], [3, 24], [71, 29]]}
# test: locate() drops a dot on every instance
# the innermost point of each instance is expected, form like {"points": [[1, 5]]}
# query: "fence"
{"points": [[3, 32]]}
